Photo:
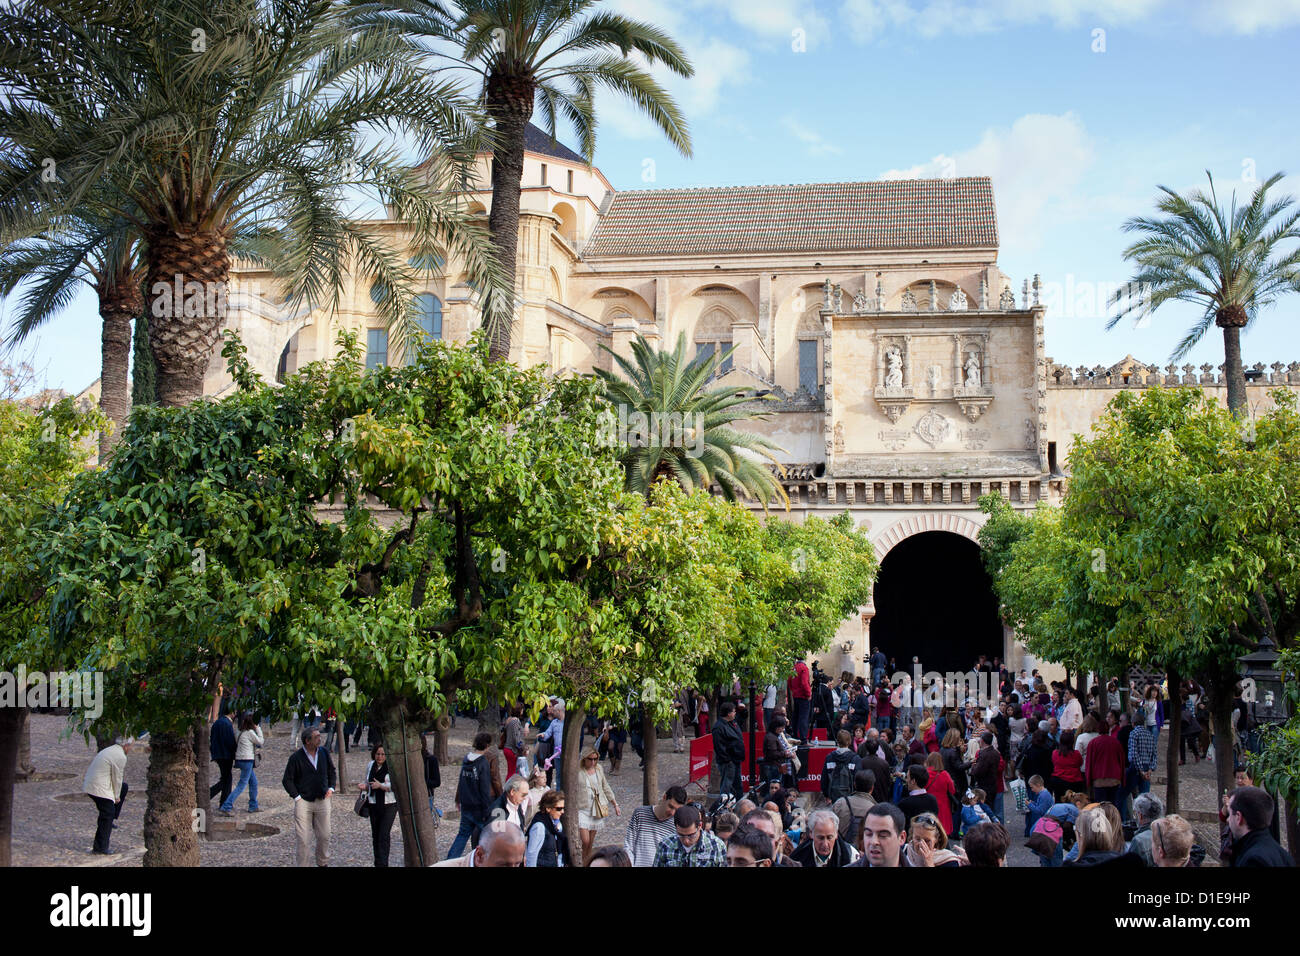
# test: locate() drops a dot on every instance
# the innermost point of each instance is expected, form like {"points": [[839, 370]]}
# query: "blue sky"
{"points": [[1077, 128]]}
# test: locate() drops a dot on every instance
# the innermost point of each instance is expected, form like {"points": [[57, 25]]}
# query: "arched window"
{"points": [[809, 334], [713, 335], [428, 313]]}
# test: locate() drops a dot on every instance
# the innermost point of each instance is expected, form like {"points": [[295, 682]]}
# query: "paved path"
{"points": [[50, 830]]}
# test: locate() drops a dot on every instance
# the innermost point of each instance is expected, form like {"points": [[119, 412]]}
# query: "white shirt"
{"points": [[769, 699]]}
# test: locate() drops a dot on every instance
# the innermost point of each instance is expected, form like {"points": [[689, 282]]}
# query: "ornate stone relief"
{"points": [[958, 301], [1031, 434], [975, 438], [859, 303], [839, 438], [1007, 301], [935, 378], [895, 438], [933, 428], [909, 302]]}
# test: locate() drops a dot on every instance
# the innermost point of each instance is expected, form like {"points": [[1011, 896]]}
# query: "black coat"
{"points": [[1258, 848], [432, 773], [728, 742], [221, 740], [840, 855], [555, 848]]}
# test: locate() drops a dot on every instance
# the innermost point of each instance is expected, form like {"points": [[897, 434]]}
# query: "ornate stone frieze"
{"points": [[894, 438], [933, 428]]}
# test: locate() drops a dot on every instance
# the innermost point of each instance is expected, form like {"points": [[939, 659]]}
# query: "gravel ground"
{"points": [[54, 823]]}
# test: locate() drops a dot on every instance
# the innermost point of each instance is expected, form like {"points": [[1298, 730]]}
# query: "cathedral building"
{"points": [[904, 373]]}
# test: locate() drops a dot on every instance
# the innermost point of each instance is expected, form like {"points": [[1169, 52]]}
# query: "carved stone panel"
{"points": [[933, 428]]}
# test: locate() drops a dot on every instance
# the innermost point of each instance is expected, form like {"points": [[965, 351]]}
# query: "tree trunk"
{"points": [[569, 770], [510, 104], [1221, 713], [117, 308], [1233, 371], [401, 735], [440, 746], [202, 766], [489, 720], [144, 373], [170, 837], [650, 778], [1174, 722], [12, 720], [187, 273], [25, 766], [1293, 830]]}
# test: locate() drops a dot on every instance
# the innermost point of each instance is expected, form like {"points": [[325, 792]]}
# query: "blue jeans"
{"points": [[1056, 859], [247, 778], [729, 779], [997, 807], [885, 722], [470, 826]]}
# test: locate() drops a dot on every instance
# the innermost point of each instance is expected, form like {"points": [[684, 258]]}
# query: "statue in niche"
{"points": [[972, 370], [893, 367], [935, 378]]}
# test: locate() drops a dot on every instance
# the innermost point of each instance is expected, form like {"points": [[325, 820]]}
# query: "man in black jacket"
{"points": [[1249, 811], [473, 794], [917, 799], [825, 848], [728, 750], [221, 748], [310, 778]]}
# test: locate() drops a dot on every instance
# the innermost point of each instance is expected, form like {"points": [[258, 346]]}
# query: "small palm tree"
{"points": [[1227, 262], [213, 118], [551, 55], [50, 265], [669, 425]]}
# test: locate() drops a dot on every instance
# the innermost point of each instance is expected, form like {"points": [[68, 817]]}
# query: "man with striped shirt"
{"points": [[650, 826]]}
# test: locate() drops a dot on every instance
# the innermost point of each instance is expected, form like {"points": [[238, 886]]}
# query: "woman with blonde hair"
{"points": [[537, 789], [594, 799], [1096, 838], [953, 751], [927, 844], [927, 735]]}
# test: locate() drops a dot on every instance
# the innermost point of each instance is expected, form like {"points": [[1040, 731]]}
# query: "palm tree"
{"points": [[213, 118], [54, 264], [551, 55], [1226, 262], [670, 426]]}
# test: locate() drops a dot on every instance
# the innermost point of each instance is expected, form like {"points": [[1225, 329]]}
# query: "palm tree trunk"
{"points": [[144, 374], [187, 304], [117, 313], [169, 833], [401, 735], [510, 106], [1233, 371]]}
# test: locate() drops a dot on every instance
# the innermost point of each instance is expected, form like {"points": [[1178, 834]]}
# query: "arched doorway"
{"points": [[934, 600]]}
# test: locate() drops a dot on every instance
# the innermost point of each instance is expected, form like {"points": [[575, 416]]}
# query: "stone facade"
{"points": [[909, 376]]}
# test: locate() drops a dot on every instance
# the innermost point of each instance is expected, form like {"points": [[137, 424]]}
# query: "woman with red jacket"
{"points": [[1105, 762], [1067, 767], [941, 788]]}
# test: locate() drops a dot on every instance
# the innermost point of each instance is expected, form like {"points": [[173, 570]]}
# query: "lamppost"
{"points": [[753, 706], [1259, 668]]}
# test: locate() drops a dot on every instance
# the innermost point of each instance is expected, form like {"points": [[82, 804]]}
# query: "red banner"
{"points": [[810, 776]]}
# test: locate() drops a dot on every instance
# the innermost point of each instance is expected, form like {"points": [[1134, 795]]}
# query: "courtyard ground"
{"points": [[54, 822]]}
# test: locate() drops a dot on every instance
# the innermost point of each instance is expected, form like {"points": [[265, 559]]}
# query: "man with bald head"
{"points": [[500, 844]]}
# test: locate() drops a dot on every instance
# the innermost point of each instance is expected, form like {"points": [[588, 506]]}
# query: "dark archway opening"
{"points": [[934, 600]]}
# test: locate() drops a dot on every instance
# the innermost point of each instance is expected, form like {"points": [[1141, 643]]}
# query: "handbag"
{"points": [[599, 805], [362, 805]]}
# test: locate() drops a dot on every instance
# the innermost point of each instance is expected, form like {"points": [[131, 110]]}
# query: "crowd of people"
{"points": [[915, 778]]}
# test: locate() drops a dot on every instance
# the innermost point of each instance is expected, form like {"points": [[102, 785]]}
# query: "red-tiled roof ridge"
{"points": [[956, 212], [840, 182]]}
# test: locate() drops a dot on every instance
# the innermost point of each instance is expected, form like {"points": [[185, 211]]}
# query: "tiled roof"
{"points": [[819, 217], [537, 140]]}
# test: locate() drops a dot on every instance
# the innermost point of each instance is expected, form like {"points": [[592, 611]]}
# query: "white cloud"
{"points": [[867, 20], [1036, 166], [817, 144]]}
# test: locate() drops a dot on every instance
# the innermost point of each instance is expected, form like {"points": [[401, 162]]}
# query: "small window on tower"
{"points": [[571, 180], [543, 174]]}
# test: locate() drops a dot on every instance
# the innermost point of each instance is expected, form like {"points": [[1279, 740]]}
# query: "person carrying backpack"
{"points": [[473, 794], [852, 809], [842, 764]]}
